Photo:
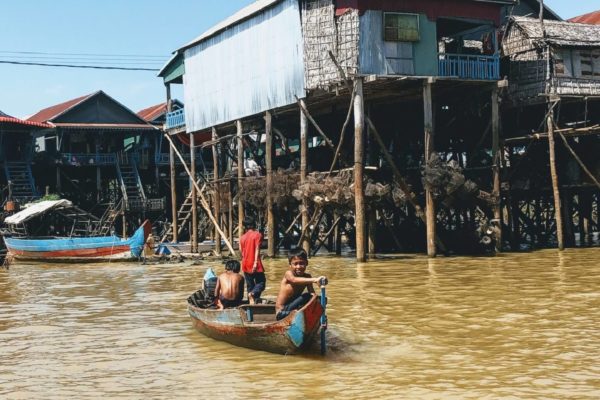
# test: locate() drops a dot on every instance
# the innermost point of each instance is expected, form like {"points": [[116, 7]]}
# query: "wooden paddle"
{"points": [[323, 282]]}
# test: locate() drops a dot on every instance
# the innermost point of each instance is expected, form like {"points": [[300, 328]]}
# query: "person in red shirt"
{"points": [[254, 273]]}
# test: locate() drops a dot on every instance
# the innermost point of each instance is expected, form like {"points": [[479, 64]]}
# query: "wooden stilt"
{"points": [[430, 214], [217, 197], [337, 234], [194, 235], [240, 177], [269, 165], [173, 193], [585, 217], [230, 212], [98, 184], [496, 163], [567, 208], [359, 199], [554, 176], [303, 172], [372, 229]]}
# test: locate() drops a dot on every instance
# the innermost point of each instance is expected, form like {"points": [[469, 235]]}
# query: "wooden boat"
{"points": [[255, 327], [80, 249]]}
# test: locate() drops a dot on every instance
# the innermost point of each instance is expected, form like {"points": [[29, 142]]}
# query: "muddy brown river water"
{"points": [[513, 326]]}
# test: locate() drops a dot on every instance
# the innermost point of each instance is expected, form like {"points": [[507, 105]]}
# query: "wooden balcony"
{"points": [[468, 66], [175, 119]]}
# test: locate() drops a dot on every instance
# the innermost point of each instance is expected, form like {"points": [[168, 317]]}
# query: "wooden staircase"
{"points": [[107, 221], [184, 215], [131, 186], [18, 173]]}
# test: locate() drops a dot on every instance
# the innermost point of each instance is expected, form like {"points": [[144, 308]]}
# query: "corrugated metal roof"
{"points": [[239, 16], [54, 111], [151, 113], [4, 115], [560, 33], [589, 18]]}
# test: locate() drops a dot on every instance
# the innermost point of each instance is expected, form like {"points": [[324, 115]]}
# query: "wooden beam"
{"points": [[303, 172], [240, 177], [555, 189], [217, 206], [312, 121], [173, 173], [194, 235], [496, 163], [359, 193], [269, 166], [203, 200], [430, 212]]}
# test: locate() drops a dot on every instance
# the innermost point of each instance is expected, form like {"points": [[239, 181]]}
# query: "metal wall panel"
{"points": [[251, 67]]}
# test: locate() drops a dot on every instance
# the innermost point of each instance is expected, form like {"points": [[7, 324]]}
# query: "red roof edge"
{"points": [[592, 18], [12, 120], [49, 113]]}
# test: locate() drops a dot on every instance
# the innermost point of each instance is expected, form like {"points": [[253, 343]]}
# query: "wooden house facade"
{"points": [[101, 154], [395, 69]]}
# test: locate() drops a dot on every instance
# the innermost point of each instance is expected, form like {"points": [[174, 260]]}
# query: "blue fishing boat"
{"points": [[63, 249]]}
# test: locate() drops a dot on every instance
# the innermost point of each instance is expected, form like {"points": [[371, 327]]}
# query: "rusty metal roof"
{"points": [[151, 113], [589, 18], [48, 114]]}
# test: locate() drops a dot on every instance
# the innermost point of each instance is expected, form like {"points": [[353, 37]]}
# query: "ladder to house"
{"points": [[19, 174], [131, 186], [107, 221], [184, 215]]}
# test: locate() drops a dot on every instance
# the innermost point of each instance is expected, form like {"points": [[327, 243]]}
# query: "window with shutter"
{"points": [[400, 27]]}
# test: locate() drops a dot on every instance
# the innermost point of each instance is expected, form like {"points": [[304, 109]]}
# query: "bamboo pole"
{"points": [[240, 177], [302, 105], [430, 213], [303, 172], [496, 164], [218, 232], [203, 200], [194, 236], [555, 189], [269, 165], [359, 193]]}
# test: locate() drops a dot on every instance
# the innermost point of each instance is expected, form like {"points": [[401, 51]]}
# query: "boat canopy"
{"points": [[33, 209]]}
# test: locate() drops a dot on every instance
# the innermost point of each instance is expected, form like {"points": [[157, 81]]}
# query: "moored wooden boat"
{"points": [[262, 331], [80, 249]]}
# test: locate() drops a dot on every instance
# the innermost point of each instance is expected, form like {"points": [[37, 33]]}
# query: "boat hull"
{"points": [[80, 249], [287, 336]]}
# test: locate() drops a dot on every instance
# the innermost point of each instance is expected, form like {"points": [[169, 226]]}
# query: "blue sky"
{"points": [[124, 27]]}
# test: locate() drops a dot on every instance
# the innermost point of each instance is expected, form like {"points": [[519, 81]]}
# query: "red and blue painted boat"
{"points": [[254, 325], [80, 249]]}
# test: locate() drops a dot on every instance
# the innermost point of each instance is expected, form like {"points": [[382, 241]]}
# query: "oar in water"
{"points": [[323, 282]]}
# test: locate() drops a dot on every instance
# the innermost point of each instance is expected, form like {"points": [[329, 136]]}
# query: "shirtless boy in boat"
{"points": [[229, 289], [294, 281]]}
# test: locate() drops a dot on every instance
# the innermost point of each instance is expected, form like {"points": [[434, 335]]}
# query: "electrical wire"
{"points": [[79, 66]]}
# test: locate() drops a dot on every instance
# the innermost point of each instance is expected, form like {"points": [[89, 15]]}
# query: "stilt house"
{"points": [[101, 152], [294, 72], [553, 58]]}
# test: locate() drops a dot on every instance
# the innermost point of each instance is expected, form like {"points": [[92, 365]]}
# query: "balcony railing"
{"points": [[468, 66], [163, 158], [175, 119], [77, 159]]}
